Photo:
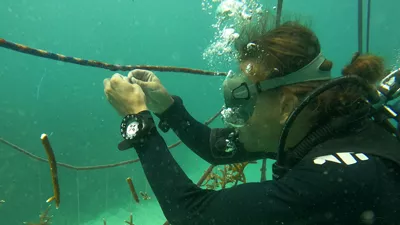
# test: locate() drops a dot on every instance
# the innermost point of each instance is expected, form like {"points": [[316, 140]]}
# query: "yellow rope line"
{"points": [[93, 63]]}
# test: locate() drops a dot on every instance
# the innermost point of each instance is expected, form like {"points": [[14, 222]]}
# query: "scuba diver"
{"points": [[338, 156]]}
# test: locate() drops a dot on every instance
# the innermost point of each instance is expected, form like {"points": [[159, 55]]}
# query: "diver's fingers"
{"points": [[106, 83], [143, 75], [115, 80], [108, 89], [107, 86], [137, 74]]}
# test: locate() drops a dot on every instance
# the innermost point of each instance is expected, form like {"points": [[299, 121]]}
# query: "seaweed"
{"points": [[132, 189], [230, 174], [44, 218], [144, 195], [130, 222], [53, 170]]}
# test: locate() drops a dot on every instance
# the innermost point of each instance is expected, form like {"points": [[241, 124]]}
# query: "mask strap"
{"points": [[310, 72]]}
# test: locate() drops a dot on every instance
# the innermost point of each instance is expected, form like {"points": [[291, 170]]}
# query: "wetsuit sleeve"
{"points": [[209, 144], [305, 190], [183, 202]]}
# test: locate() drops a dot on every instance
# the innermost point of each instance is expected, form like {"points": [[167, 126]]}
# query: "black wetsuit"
{"points": [[323, 188]]}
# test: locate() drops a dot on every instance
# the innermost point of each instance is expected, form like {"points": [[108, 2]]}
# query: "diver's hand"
{"points": [[157, 98], [126, 98]]}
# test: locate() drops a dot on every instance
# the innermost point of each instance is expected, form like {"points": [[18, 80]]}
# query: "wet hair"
{"points": [[291, 46], [283, 50]]}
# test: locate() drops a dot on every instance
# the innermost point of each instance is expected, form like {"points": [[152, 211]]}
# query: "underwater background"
{"points": [[66, 101]]}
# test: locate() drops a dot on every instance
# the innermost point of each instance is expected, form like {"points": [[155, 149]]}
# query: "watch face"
{"points": [[130, 127]]}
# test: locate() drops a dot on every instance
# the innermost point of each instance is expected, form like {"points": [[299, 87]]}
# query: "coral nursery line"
{"points": [[29, 154], [93, 63]]}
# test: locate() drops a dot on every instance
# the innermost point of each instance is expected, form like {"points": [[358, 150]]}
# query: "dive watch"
{"points": [[135, 128]]}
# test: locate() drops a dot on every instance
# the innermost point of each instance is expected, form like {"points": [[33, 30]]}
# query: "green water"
{"points": [[67, 102]]}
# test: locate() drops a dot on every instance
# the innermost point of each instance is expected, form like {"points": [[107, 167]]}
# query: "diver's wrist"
{"points": [[167, 104], [136, 110]]}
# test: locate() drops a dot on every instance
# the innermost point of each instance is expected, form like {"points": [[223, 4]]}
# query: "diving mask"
{"points": [[240, 93]]}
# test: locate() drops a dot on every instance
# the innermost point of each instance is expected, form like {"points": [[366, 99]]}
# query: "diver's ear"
{"points": [[287, 104]]}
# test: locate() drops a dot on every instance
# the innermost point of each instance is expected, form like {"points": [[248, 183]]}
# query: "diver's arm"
{"points": [[271, 202], [209, 144]]}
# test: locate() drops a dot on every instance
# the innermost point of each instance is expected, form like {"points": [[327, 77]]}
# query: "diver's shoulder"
{"points": [[373, 142]]}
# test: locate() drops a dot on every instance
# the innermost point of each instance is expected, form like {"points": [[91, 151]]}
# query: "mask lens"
{"points": [[242, 92], [239, 101]]}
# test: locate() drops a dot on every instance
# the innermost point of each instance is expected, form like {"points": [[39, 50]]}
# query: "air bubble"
{"points": [[231, 16], [368, 217], [249, 68], [250, 46]]}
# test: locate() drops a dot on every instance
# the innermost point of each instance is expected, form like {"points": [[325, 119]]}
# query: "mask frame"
{"points": [[240, 93]]}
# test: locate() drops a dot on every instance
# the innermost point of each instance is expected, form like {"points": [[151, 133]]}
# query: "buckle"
{"points": [[163, 126]]}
